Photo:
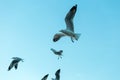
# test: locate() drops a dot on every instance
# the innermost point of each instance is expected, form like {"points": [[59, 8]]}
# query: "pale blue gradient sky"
{"points": [[27, 28]]}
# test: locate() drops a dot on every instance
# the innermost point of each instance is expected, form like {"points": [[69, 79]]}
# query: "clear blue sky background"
{"points": [[27, 28]]}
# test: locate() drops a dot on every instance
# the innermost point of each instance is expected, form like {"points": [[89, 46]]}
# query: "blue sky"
{"points": [[28, 26]]}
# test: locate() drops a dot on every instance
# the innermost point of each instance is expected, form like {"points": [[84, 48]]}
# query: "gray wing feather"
{"points": [[12, 64], [16, 66], [53, 50], [45, 77], [69, 18], [57, 74], [58, 36]]}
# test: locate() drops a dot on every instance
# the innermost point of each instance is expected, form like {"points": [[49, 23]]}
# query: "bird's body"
{"points": [[14, 63], [68, 32], [71, 34]]}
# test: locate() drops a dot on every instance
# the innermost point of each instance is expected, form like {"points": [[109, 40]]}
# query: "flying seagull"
{"points": [[59, 53], [45, 77], [14, 63], [57, 75], [69, 31]]}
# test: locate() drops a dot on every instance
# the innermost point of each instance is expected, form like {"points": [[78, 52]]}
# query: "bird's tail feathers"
{"points": [[77, 35]]}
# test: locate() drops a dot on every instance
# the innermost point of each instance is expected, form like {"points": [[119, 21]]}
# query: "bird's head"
{"points": [[61, 51]]}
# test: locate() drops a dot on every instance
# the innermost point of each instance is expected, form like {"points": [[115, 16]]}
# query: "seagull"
{"points": [[57, 75], [69, 31], [59, 53], [14, 63], [45, 77]]}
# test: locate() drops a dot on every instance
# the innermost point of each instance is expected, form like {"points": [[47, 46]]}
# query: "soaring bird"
{"points": [[69, 31], [45, 77], [14, 63], [57, 75], [58, 53]]}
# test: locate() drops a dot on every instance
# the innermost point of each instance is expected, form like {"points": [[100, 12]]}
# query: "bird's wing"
{"points": [[16, 66], [53, 50], [57, 74], [53, 79], [57, 36], [45, 77], [17, 58], [12, 64], [69, 18]]}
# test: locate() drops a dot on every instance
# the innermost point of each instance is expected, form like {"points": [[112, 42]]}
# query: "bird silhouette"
{"points": [[58, 53], [14, 63], [69, 31]]}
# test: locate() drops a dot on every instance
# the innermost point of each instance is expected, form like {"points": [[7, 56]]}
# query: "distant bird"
{"points": [[14, 63], [69, 31], [45, 77], [59, 53], [57, 75]]}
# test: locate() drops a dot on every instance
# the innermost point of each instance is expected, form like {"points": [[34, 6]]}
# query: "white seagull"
{"points": [[69, 31], [14, 63], [45, 77], [59, 53], [57, 75]]}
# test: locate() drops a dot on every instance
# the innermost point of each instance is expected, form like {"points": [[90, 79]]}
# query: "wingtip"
{"points": [[75, 5], [55, 40], [8, 69], [46, 75], [58, 70], [74, 8]]}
